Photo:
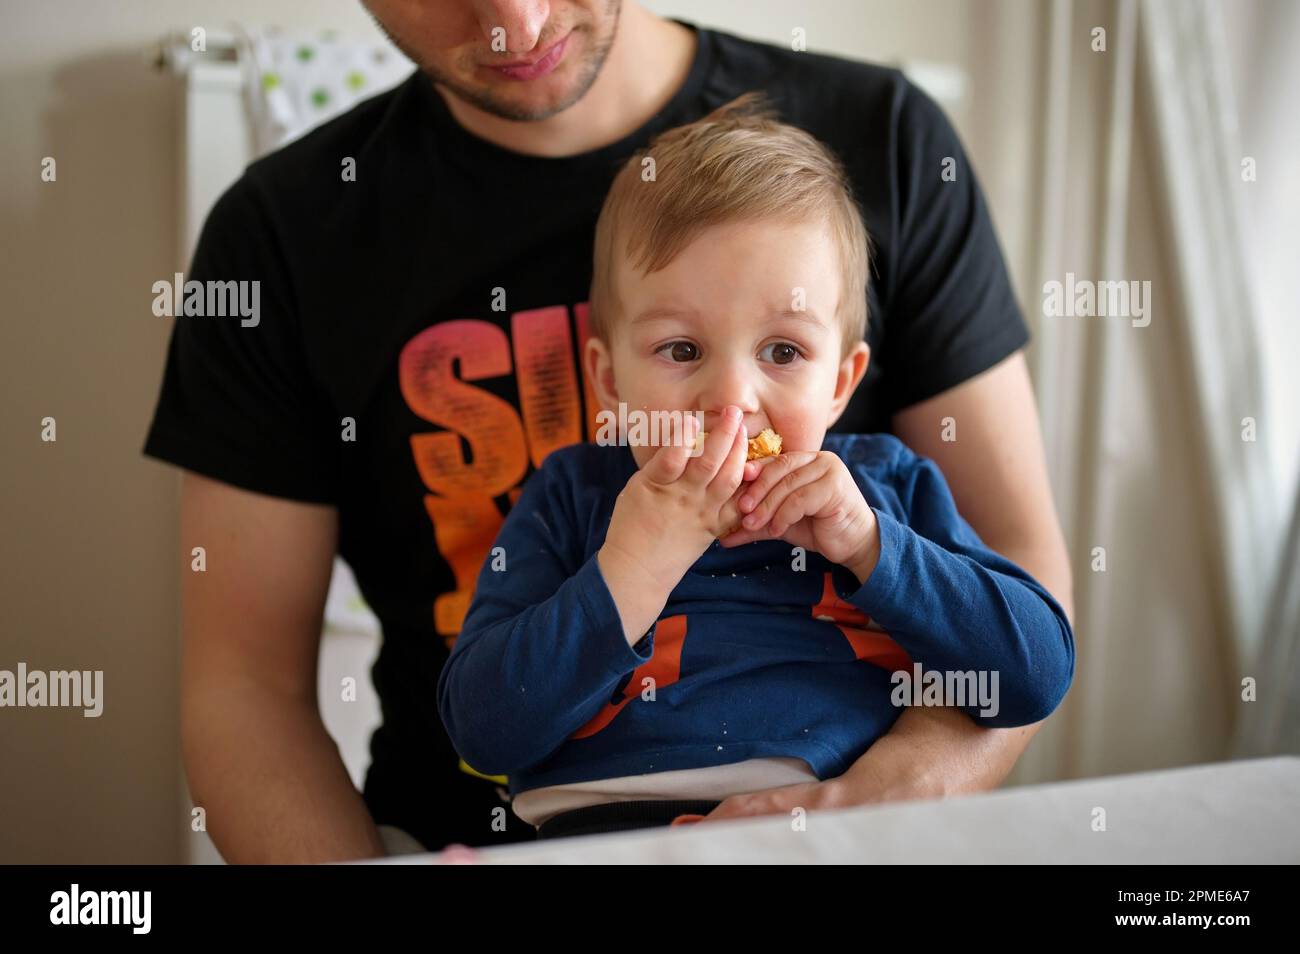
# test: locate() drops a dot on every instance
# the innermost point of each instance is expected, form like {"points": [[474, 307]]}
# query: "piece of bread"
{"points": [[766, 444]]}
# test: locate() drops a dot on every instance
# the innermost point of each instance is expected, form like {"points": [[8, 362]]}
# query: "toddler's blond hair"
{"points": [[736, 164]]}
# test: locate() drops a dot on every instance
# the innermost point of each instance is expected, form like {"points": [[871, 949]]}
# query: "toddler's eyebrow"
{"points": [[665, 314], [806, 314]]}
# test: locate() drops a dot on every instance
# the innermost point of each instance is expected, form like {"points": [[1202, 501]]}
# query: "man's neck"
{"points": [[647, 63]]}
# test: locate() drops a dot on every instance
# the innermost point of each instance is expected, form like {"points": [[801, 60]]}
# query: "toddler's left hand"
{"points": [[808, 499]]}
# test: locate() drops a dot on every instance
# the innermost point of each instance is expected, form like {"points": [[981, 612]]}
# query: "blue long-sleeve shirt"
{"points": [[761, 650]]}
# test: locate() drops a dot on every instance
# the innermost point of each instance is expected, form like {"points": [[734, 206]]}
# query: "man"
{"points": [[415, 358]]}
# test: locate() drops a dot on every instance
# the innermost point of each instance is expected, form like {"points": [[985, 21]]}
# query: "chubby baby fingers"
{"points": [[766, 493]]}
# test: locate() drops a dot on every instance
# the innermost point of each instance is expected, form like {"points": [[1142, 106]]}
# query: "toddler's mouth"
{"points": [[766, 444]]}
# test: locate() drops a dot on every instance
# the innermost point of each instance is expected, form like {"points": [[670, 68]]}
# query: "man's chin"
{"points": [[521, 107], [532, 100], [523, 102]]}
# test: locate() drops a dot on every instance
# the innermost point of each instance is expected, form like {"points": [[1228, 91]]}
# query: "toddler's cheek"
{"points": [[801, 434]]}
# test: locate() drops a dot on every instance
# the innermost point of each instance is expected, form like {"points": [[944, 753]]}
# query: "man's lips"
{"points": [[539, 66]]}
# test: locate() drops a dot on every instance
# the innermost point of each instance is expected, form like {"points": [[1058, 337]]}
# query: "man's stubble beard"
{"points": [[485, 101]]}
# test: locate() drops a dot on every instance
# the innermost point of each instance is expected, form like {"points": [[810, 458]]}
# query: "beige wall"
{"points": [[89, 578]]}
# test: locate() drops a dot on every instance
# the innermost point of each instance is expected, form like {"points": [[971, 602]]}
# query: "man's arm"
{"points": [[256, 753], [997, 471]]}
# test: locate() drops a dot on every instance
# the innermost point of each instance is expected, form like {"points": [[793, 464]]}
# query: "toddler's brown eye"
{"points": [[783, 353], [682, 351]]}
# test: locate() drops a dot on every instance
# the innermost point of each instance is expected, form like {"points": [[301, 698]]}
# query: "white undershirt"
{"points": [[714, 782]]}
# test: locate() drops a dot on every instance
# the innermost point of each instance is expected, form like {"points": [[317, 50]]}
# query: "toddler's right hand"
{"points": [[675, 506]]}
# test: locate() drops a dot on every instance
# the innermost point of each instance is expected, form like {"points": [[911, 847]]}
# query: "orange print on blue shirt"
{"points": [[664, 666], [870, 643]]}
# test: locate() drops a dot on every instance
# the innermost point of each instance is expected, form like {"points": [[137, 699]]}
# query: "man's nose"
{"points": [[522, 21]]}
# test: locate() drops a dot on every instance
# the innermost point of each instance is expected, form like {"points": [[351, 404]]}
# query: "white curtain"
{"points": [[1261, 38], [1114, 156]]}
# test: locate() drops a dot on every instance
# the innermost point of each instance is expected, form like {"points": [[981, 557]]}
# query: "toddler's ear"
{"points": [[598, 365], [852, 369]]}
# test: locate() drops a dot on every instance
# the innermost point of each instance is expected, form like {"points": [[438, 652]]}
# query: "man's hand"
{"points": [[931, 752]]}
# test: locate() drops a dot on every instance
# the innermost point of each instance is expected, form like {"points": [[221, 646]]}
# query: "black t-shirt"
{"points": [[377, 304]]}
